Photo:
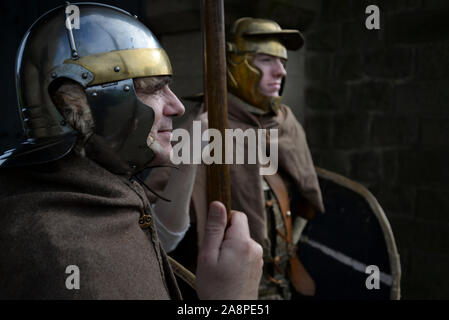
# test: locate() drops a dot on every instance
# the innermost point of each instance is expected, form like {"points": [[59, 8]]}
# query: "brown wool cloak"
{"points": [[74, 212], [295, 161]]}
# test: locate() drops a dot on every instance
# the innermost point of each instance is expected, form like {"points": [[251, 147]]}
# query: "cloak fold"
{"points": [[74, 212]]}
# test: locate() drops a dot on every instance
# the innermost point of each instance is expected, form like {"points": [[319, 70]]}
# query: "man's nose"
{"points": [[173, 107], [279, 69]]}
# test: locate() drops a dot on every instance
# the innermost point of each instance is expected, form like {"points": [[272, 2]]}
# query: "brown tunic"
{"points": [[74, 212]]}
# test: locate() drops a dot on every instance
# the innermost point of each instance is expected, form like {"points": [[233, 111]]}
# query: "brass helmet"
{"points": [[249, 37], [103, 54]]}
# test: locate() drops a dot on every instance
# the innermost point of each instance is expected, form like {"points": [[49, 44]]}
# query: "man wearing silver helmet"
{"points": [[96, 110]]}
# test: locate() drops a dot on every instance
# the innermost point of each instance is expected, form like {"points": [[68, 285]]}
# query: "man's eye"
{"points": [[154, 90]]}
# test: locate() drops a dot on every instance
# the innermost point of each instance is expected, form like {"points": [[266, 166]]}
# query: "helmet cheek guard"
{"points": [[243, 81], [123, 129]]}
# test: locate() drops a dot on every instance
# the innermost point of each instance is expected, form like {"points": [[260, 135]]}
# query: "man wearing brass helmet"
{"points": [[256, 71], [96, 110]]}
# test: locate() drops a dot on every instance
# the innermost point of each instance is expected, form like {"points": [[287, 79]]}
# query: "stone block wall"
{"points": [[377, 111]]}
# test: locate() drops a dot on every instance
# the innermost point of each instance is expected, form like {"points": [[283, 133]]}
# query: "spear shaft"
{"points": [[215, 99]]}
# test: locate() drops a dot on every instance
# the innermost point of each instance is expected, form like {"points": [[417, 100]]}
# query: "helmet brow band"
{"points": [[125, 64]]}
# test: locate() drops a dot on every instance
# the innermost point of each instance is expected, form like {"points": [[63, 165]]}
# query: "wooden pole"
{"points": [[215, 92]]}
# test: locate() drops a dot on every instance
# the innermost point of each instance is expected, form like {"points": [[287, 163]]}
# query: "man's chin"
{"points": [[162, 154], [274, 94]]}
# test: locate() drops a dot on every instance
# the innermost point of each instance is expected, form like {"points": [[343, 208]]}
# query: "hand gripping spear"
{"points": [[216, 103]]}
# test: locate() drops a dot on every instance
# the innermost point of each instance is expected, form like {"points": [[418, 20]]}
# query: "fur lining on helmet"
{"points": [[70, 100]]}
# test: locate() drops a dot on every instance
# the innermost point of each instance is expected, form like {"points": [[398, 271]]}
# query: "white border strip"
{"points": [[340, 257]]}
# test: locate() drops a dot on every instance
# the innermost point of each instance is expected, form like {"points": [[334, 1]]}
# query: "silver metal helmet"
{"points": [[108, 50]]}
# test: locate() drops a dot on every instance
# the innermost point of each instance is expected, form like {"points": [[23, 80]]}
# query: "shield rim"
{"points": [[395, 264]]}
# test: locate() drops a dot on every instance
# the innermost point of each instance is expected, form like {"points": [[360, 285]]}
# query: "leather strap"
{"points": [[280, 191], [182, 272], [300, 278]]}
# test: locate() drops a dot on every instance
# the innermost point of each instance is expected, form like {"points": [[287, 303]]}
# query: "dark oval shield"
{"points": [[350, 251]]}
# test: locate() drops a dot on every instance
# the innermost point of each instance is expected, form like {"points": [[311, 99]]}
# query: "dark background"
{"points": [[374, 103]]}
